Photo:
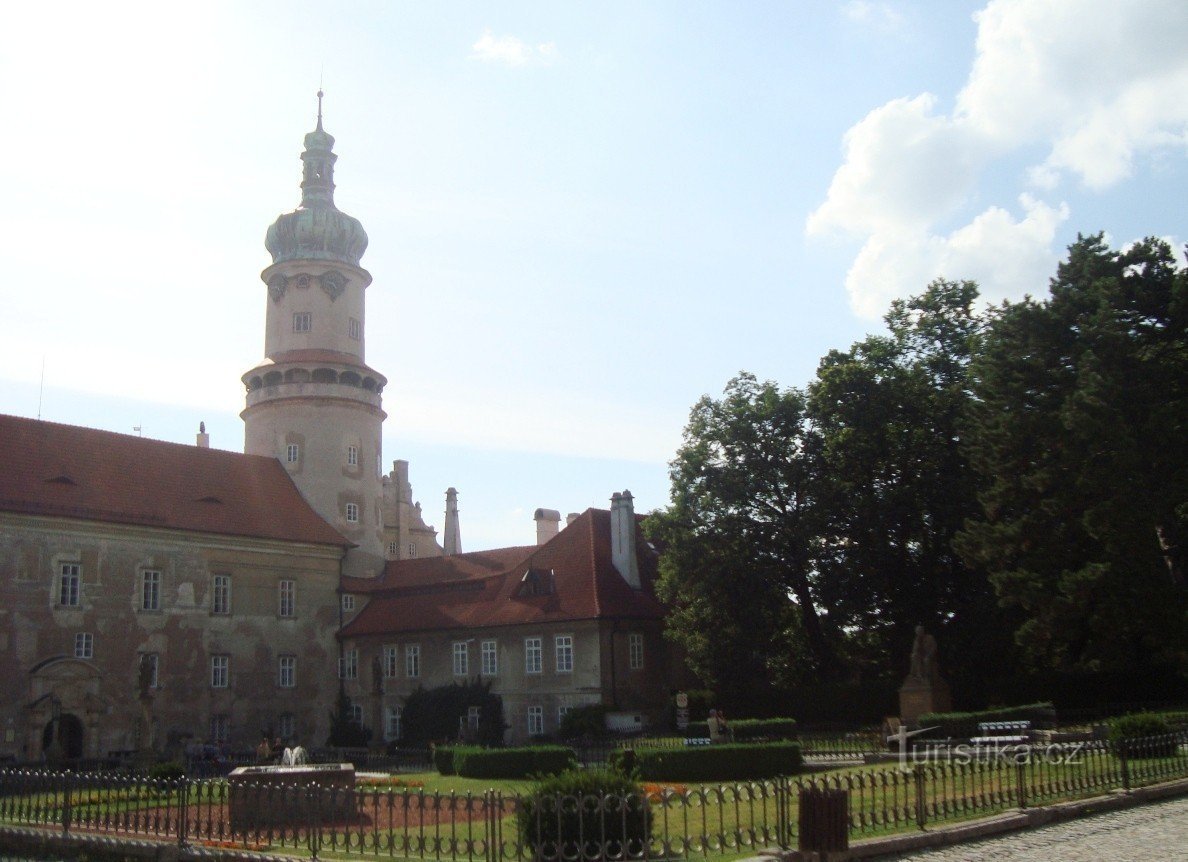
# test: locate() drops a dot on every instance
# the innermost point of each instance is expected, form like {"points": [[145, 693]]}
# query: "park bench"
{"points": [[1002, 733]]}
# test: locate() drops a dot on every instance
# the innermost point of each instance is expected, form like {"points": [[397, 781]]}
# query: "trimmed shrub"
{"points": [[443, 759], [169, 770], [513, 762], [762, 728], [589, 720], [584, 815], [1142, 734], [966, 723], [731, 762], [697, 730]]}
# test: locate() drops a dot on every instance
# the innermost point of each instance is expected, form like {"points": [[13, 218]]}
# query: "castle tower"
{"points": [[313, 402]]}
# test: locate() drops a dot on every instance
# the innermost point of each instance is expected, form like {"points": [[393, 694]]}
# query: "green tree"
{"points": [[896, 486], [737, 567], [1079, 428]]}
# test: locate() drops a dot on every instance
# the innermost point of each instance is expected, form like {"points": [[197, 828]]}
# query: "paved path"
{"points": [[1148, 833]]}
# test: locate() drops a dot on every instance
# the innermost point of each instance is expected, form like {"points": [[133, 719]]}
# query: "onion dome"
{"points": [[317, 230]]}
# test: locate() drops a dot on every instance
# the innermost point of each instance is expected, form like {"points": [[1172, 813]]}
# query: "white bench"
{"points": [[1002, 733]]}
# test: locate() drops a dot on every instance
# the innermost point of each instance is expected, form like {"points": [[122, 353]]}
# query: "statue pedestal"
{"points": [[920, 696]]}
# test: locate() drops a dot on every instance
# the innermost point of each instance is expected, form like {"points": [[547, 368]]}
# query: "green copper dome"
{"points": [[317, 230]]}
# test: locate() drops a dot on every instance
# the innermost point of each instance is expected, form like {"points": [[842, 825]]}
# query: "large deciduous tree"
{"points": [[1081, 431]]}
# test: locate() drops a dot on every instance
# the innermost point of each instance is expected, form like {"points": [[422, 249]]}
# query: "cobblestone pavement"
{"points": [[1148, 833]]}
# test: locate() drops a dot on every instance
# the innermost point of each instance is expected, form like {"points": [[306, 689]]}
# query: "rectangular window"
{"points": [[352, 456], [286, 726], [69, 584], [563, 647], [473, 713], [391, 652], [535, 720], [302, 321], [348, 603], [84, 645], [412, 660], [286, 671], [392, 549], [150, 590], [635, 655], [352, 513], [354, 329], [348, 665], [490, 664], [220, 670], [393, 725], [153, 662], [220, 727], [412, 550], [287, 598], [292, 453], [461, 658], [562, 711], [220, 594], [533, 662], [357, 714]]}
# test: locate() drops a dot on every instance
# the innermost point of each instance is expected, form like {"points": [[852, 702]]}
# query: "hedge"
{"points": [[966, 723], [513, 762], [566, 812], [443, 759], [729, 762], [1143, 734], [762, 728]]}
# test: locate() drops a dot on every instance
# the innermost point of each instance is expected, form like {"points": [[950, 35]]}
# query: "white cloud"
{"points": [[511, 51], [1097, 84], [871, 13]]}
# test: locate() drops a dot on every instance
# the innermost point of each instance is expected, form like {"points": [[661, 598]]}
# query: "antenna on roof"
{"points": [[136, 428], [41, 388]]}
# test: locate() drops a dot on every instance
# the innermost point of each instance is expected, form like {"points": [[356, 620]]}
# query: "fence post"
{"points": [[783, 791], [1021, 785], [65, 804], [921, 808], [1122, 755], [183, 810]]}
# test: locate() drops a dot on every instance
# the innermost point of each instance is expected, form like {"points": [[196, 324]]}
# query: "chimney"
{"points": [[203, 437], [622, 518], [548, 524], [451, 542], [571, 517]]}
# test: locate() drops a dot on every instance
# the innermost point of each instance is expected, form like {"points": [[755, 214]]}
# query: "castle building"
{"points": [[155, 593]]}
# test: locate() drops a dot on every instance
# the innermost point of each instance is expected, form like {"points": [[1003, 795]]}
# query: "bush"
{"points": [[443, 759], [169, 770], [438, 713], [589, 720], [1132, 735], [960, 724], [762, 728], [586, 814], [731, 762], [513, 762]]}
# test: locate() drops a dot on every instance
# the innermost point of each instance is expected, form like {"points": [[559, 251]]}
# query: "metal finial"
{"points": [[319, 110]]}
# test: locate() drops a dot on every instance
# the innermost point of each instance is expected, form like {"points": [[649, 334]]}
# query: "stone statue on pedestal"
{"points": [[924, 690]]}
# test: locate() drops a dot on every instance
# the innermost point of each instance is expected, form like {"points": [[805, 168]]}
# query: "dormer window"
{"points": [[537, 582]]}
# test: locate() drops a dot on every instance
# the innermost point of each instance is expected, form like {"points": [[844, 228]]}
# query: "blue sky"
{"points": [[582, 218]]}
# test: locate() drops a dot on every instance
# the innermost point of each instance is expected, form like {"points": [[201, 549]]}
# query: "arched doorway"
{"points": [[70, 736]]}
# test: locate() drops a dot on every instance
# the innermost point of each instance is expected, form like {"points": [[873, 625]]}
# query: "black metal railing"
{"points": [[928, 786]]}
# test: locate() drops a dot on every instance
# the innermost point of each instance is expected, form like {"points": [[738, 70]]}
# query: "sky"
{"points": [[582, 217]]}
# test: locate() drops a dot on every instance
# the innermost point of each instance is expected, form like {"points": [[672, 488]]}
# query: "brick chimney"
{"points": [[548, 524], [203, 437], [622, 517]]}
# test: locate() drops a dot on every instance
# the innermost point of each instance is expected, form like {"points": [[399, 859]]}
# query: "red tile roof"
{"points": [[483, 589], [90, 475]]}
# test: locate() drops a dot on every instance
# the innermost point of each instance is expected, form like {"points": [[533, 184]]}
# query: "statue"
{"points": [[923, 665], [377, 676], [924, 690]]}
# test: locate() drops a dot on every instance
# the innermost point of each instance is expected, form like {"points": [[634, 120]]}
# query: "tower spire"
{"points": [[320, 109]]}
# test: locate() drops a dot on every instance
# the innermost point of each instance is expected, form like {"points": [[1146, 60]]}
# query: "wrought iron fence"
{"points": [[663, 821]]}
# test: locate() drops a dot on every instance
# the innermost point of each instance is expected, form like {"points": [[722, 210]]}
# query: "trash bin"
{"points": [[824, 820]]}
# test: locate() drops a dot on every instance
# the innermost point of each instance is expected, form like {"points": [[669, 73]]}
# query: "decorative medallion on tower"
{"points": [[317, 230]]}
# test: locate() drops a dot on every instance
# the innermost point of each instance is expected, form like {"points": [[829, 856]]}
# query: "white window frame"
{"points": [[352, 513], [354, 328], [220, 670], [352, 456], [489, 665], [562, 711], [461, 654], [393, 723], [393, 547], [391, 660], [150, 589], [303, 321], [412, 550], [348, 602], [533, 655], [220, 595], [286, 725], [474, 715], [348, 665], [356, 714], [563, 653], [69, 585], [286, 598], [412, 660], [535, 720], [635, 651], [84, 645], [292, 453], [286, 671]]}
